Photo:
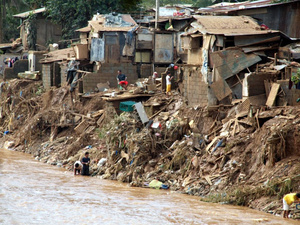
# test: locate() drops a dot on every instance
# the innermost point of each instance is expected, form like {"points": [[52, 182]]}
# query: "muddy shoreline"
{"points": [[215, 154]]}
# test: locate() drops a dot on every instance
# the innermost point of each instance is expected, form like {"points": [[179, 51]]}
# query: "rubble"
{"points": [[176, 147]]}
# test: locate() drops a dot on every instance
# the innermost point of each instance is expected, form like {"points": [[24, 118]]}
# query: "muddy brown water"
{"points": [[32, 192]]}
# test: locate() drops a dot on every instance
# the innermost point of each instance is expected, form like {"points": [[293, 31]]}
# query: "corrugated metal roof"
{"points": [[5, 45], [166, 18], [26, 14], [98, 23], [228, 25], [84, 29], [225, 7], [127, 18], [58, 55], [96, 26]]}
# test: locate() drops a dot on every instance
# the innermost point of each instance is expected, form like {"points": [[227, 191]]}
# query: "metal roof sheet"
{"points": [[58, 55], [98, 24], [225, 7], [5, 45], [228, 25], [26, 14], [166, 18], [84, 29], [127, 18]]}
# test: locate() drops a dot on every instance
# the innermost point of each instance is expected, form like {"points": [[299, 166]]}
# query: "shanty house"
{"points": [[218, 49], [37, 31], [277, 15], [156, 49], [111, 40], [54, 67]]}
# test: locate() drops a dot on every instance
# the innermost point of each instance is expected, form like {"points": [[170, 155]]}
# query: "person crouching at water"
{"points": [[77, 167], [86, 165], [288, 200]]}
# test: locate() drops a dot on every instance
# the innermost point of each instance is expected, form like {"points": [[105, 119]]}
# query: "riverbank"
{"points": [[105, 201], [222, 153]]}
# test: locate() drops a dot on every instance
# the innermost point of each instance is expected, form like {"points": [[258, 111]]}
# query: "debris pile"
{"points": [[236, 154]]}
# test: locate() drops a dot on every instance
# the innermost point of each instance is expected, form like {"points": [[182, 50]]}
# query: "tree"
{"points": [[152, 3], [35, 4], [204, 3], [74, 14], [9, 24]]}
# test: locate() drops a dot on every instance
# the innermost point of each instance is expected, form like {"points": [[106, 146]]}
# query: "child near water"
{"points": [[288, 200], [77, 167]]}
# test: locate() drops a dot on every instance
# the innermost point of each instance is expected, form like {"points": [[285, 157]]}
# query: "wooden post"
{"points": [[156, 14]]}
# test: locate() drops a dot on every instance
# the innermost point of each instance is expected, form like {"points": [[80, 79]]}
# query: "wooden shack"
{"points": [[46, 31]]}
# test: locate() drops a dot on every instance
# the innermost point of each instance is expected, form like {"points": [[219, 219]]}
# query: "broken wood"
{"points": [[256, 118], [211, 144], [214, 131], [98, 113], [162, 109], [207, 178], [224, 155], [100, 120], [273, 93], [80, 128], [78, 114]]}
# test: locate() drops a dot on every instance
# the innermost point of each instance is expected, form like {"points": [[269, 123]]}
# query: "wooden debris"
{"points": [[272, 96], [98, 113], [90, 129], [80, 128], [211, 144], [207, 178], [162, 109], [100, 120]]}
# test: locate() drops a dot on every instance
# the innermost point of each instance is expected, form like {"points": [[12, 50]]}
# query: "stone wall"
{"points": [[47, 75], [195, 90], [63, 73], [18, 67], [108, 72]]}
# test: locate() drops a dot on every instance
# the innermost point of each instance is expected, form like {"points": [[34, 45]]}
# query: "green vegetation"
{"points": [[74, 14], [296, 77], [243, 196]]}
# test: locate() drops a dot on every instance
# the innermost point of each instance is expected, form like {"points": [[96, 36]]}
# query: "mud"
{"points": [[217, 154], [36, 193]]}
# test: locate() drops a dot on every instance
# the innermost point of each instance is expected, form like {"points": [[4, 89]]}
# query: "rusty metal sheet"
{"points": [[28, 13], [259, 48], [164, 46], [231, 62], [256, 39], [97, 50], [220, 89], [225, 8], [84, 30], [228, 25]]}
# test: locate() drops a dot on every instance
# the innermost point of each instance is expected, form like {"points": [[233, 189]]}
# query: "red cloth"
{"points": [[123, 82]]}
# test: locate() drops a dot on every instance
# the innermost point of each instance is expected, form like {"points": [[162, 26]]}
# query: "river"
{"points": [[32, 192]]}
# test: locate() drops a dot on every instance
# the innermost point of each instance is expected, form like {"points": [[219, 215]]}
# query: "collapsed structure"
{"points": [[230, 75]]}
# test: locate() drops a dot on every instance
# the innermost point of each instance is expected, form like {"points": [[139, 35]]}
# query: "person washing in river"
{"points": [[288, 200], [122, 80], [77, 167], [85, 165]]}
